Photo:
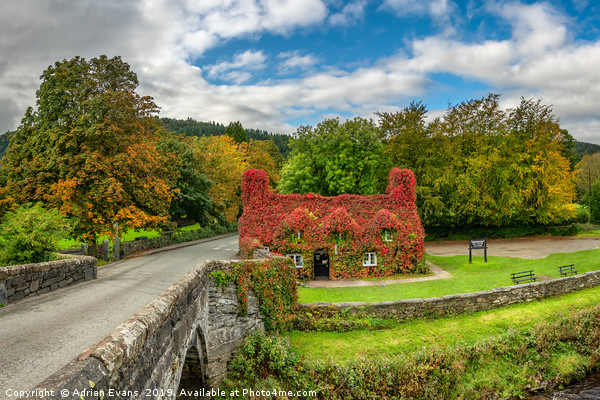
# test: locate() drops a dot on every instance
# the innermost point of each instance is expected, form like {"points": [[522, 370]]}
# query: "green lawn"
{"points": [[590, 233], [127, 237], [466, 278], [413, 335]]}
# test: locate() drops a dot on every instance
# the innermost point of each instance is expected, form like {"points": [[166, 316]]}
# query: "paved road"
{"points": [[40, 334]]}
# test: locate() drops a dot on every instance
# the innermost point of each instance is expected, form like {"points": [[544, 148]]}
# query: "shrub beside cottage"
{"points": [[346, 236]]}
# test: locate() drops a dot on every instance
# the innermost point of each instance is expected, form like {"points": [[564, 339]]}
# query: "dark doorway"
{"points": [[321, 264]]}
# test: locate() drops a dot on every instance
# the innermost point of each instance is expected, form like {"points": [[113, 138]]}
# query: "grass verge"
{"points": [[126, 237], [466, 278]]}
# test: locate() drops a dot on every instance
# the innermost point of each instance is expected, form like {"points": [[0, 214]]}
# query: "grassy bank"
{"points": [[491, 354], [413, 335], [466, 278]]}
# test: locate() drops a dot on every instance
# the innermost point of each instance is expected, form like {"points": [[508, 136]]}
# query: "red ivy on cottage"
{"points": [[345, 226]]}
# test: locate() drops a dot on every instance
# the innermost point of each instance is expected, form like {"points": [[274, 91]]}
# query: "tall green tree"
{"points": [[409, 145], [7, 201], [236, 131], [193, 199], [335, 158], [500, 167], [4, 140], [466, 171], [89, 149], [595, 203], [587, 171], [540, 173]]}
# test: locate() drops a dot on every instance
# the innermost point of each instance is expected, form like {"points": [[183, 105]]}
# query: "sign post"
{"points": [[478, 244]]}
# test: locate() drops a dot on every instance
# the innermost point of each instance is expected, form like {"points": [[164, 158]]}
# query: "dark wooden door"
{"points": [[321, 263]]}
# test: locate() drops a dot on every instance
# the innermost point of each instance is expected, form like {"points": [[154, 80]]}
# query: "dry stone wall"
{"points": [[459, 303], [19, 281]]}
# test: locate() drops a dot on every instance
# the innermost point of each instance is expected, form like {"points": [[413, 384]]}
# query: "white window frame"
{"points": [[387, 236], [297, 258], [370, 259]]}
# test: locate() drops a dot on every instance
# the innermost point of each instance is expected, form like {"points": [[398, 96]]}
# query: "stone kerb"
{"points": [[20, 281], [459, 303], [145, 356]]}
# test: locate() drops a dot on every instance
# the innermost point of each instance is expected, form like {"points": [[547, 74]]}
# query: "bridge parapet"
{"points": [[19, 281], [182, 340]]}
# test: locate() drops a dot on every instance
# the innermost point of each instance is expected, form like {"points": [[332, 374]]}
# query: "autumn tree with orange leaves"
{"points": [[89, 150], [225, 162]]}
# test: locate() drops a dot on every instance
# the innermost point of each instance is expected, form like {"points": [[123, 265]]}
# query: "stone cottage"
{"points": [[346, 236]]}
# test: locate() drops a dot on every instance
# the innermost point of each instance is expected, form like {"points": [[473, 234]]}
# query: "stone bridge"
{"points": [[183, 340]]}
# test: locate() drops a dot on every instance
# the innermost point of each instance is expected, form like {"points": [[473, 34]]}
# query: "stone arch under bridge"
{"points": [[182, 340]]}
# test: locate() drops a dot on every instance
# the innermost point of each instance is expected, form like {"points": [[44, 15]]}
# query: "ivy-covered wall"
{"points": [[346, 226]]}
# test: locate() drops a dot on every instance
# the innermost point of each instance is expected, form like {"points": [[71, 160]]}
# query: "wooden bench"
{"points": [[567, 270], [518, 277]]}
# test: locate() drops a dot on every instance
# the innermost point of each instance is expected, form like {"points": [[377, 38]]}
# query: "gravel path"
{"points": [[536, 247], [438, 273]]}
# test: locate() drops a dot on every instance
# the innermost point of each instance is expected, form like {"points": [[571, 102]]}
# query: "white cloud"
{"points": [[350, 14], [539, 60], [293, 60], [404, 8], [160, 37], [247, 17], [237, 70], [537, 28], [441, 12]]}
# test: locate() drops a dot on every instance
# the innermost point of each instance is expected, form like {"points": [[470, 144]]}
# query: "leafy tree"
{"points": [[335, 158], [190, 127], [4, 140], [568, 144], [409, 145], [7, 201], [477, 164], [89, 149], [584, 148], [595, 203], [193, 199], [281, 141], [466, 169], [225, 162], [30, 234], [541, 174], [264, 154], [587, 171], [236, 131], [499, 167]]}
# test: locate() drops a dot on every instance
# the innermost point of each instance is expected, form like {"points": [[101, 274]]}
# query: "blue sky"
{"points": [[276, 64]]}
